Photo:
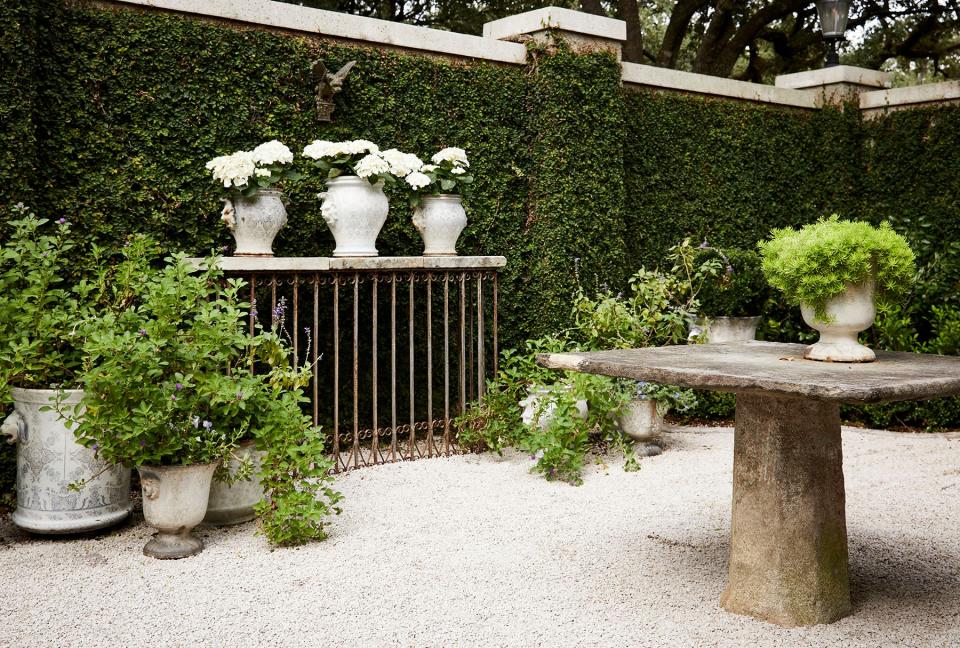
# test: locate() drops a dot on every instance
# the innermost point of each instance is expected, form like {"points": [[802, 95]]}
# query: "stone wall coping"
{"points": [[836, 74], [656, 77], [567, 20], [340, 25], [235, 264], [918, 94]]}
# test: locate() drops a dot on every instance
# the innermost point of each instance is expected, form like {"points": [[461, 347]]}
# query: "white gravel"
{"points": [[474, 551]]}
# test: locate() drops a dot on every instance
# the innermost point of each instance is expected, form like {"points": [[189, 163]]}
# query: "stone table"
{"points": [[788, 532]]}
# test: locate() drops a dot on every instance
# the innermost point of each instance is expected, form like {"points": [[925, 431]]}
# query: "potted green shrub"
{"points": [[732, 299], [835, 269], [175, 382], [40, 342]]}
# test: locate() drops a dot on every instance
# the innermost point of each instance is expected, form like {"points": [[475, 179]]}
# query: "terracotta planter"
{"points": [[255, 221], [174, 502], [848, 314], [355, 211], [233, 503], [49, 459]]}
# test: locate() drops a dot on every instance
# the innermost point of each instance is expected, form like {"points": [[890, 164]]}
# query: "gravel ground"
{"points": [[474, 551]]}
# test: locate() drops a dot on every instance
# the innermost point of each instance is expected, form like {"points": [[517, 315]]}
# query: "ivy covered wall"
{"points": [[110, 114]]}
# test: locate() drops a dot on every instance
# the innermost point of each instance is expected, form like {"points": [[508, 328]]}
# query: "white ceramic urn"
{"points": [[731, 329], [232, 503], [847, 314], [355, 211], [543, 413], [255, 221], [174, 502], [440, 220], [641, 419], [49, 459]]}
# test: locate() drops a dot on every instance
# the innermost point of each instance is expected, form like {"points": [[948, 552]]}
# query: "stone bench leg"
{"points": [[788, 535]]}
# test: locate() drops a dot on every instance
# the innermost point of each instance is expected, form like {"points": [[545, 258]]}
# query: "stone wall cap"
{"points": [[918, 94], [568, 20], [836, 74]]}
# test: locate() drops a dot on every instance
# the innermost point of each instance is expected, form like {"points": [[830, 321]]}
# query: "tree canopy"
{"points": [[745, 39]]}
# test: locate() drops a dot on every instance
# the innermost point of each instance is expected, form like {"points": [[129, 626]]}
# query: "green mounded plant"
{"points": [[176, 379], [819, 261], [739, 289]]}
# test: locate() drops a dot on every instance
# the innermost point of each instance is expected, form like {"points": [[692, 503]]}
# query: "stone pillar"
{"points": [[580, 30], [837, 84], [788, 533]]}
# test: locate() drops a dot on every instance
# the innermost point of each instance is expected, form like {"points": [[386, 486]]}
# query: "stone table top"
{"points": [[768, 367]]}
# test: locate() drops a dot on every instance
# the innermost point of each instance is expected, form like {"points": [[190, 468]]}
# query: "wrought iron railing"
{"points": [[399, 345]]}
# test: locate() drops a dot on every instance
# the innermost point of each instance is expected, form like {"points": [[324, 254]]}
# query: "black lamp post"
{"points": [[833, 22]]}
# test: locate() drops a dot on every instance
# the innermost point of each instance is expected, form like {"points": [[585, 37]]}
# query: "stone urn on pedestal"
{"points": [[174, 502], [847, 315], [440, 220], [355, 212], [232, 501]]}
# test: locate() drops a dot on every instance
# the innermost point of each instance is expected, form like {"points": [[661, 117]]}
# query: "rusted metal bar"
{"points": [[463, 343], [496, 324], [375, 442], [336, 371], [480, 372], [446, 363], [413, 414], [295, 334], [356, 369], [393, 367], [431, 444], [314, 351], [470, 346]]}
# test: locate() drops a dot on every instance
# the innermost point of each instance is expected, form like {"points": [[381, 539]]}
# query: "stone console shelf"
{"points": [[788, 533], [235, 264]]}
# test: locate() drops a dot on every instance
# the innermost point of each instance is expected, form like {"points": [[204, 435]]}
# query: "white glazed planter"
{"points": [[174, 502], [49, 459], [642, 419], [731, 329], [532, 405], [255, 221], [355, 211], [233, 503], [440, 220], [849, 313]]}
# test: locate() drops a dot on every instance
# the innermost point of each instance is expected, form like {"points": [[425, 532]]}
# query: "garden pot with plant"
{"points": [[731, 299], [835, 270], [40, 317], [236, 488], [437, 192], [254, 211], [176, 381], [354, 204]]}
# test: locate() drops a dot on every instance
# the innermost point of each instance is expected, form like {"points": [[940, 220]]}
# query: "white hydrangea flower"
{"points": [[371, 164], [273, 152], [234, 169], [262, 173], [458, 170], [401, 164], [357, 147], [428, 167], [320, 149], [418, 180], [451, 154]]}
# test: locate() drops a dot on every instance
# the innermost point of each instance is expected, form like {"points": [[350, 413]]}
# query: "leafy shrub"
{"points": [[819, 261], [739, 290]]}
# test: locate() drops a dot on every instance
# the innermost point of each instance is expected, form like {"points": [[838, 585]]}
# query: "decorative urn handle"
{"points": [[228, 214], [14, 427]]}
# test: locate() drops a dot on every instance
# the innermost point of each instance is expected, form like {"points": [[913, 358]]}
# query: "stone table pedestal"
{"points": [[788, 531]]}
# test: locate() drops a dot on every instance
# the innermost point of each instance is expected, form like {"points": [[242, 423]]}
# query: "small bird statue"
{"points": [[328, 85]]}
